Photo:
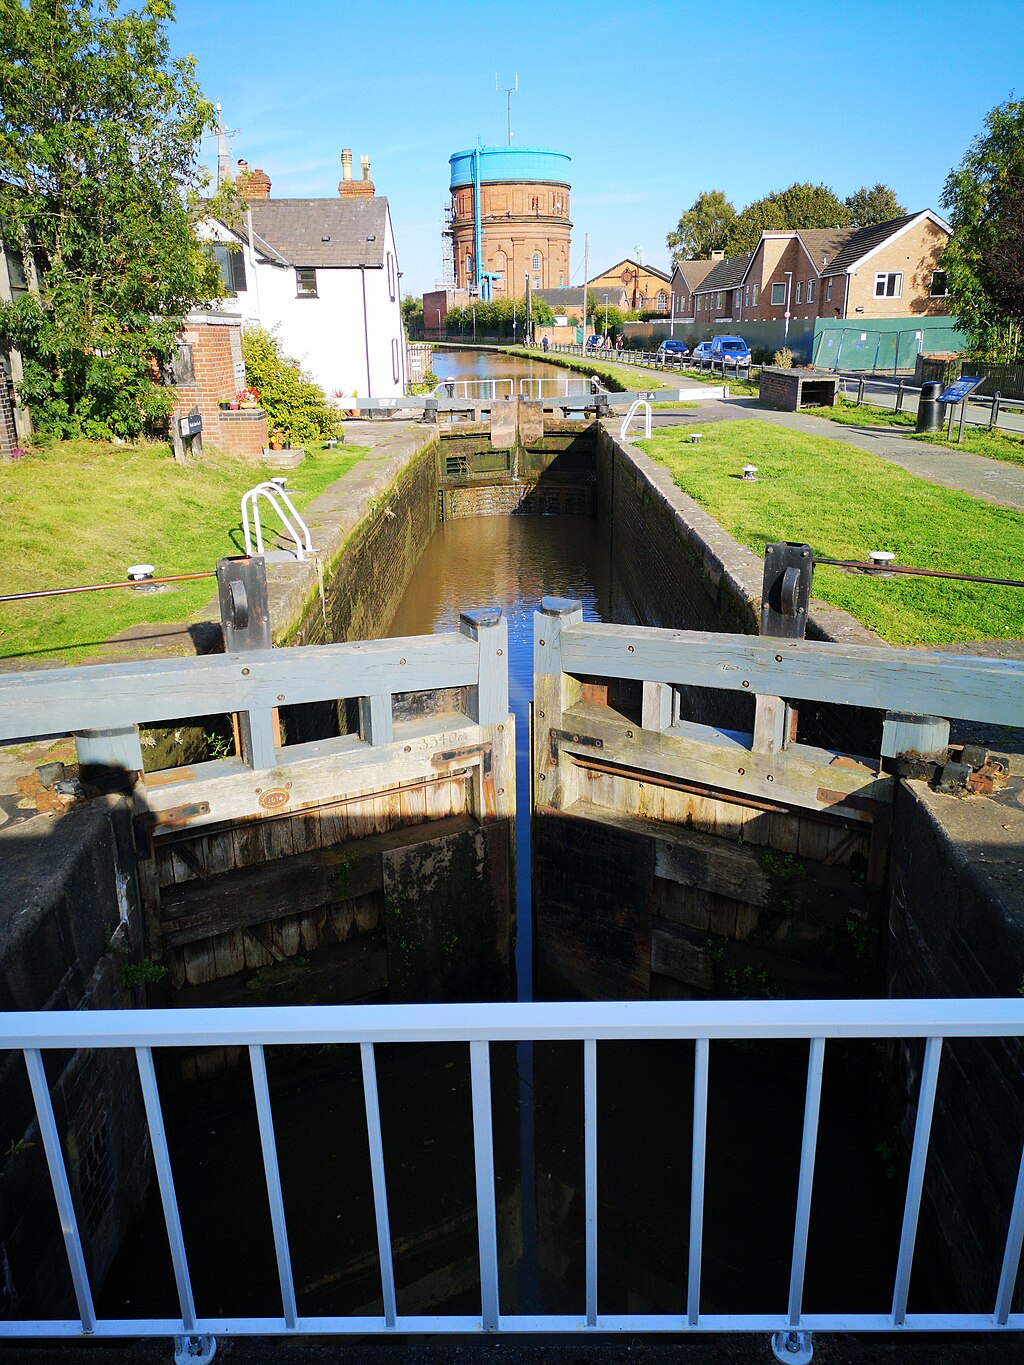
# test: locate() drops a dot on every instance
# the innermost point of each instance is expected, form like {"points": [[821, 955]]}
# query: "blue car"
{"points": [[729, 351], [671, 348], [702, 353]]}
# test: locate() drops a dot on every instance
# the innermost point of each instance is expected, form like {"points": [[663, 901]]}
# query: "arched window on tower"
{"points": [[536, 260]]}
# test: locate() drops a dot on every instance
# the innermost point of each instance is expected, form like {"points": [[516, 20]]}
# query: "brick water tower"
{"points": [[509, 219]]}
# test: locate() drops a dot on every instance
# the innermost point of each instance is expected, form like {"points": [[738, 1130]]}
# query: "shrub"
{"points": [[783, 358], [291, 399]]}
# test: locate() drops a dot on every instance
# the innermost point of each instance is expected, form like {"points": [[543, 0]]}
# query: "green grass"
{"points": [[846, 502], [627, 377], [997, 445], [81, 511]]}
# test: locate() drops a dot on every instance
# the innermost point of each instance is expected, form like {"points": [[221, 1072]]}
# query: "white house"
{"points": [[323, 274]]}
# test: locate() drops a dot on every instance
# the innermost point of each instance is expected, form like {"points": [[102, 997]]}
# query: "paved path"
{"points": [[993, 481]]}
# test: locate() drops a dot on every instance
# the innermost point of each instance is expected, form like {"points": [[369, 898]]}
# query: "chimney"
{"points": [[717, 256], [355, 189], [252, 185]]}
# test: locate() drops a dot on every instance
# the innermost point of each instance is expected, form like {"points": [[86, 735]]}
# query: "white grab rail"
{"points": [[637, 403], [275, 493]]}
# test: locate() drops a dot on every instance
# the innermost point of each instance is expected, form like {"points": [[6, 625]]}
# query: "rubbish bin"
{"points": [[929, 409]]}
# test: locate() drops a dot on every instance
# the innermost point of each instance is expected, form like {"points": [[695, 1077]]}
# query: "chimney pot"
{"points": [[346, 163], [364, 162]]}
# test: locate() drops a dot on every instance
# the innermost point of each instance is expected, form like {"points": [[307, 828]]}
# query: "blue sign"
{"points": [[956, 393]]}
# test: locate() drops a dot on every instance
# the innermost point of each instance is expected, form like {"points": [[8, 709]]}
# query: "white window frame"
{"points": [[535, 262], [310, 290], [810, 290], [799, 291], [779, 303], [828, 291], [931, 288], [882, 279], [746, 297], [755, 296], [737, 297], [662, 300]]}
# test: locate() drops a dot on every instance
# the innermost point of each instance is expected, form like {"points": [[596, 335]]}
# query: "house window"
{"points": [[828, 292], [737, 297], [889, 286], [778, 295], [938, 289], [719, 304], [753, 297], [746, 297], [662, 301], [305, 284], [810, 291], [231, 265], [535, 264], [396, 363], [799, 291], [392, 281]]}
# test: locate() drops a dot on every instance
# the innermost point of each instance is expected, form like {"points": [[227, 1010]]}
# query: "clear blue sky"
{"points": [[654, 103]]}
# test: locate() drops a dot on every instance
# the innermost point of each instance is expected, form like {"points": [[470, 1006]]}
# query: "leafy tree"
{"points": [[412, 315], [99, 173], [290, 398], [797, 206], [875, 205], [703, 228], [984, 260]]}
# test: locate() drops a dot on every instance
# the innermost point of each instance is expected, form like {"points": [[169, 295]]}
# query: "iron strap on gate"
{"points": [[478, 1026]]}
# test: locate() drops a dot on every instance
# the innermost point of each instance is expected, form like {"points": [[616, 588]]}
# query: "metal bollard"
{"points": [[899, 395], [994, 415], [860, 391]]}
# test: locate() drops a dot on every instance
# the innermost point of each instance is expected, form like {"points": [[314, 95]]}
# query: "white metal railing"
{"points": [[478, 1026], [474, 388], [275, 493], [566, 387], [637, 403]]}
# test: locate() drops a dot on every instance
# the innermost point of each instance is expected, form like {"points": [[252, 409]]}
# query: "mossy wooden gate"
{"points": [[672, 859]]}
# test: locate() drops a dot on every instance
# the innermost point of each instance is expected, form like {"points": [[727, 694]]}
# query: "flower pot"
{"points": [[232, 407], [248, 407], [224, 404]]}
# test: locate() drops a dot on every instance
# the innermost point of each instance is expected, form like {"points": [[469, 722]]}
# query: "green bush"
{"points": [[291, 399]]}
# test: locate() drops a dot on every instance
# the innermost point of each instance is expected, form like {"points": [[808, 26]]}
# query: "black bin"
{"points": [[929, 409]]}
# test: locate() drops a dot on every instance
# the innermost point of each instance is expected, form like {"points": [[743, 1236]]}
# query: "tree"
{"points": [[984, 259], [412, 315], [875, 205], [703, 228], [292, 399], [99, 181], [798, 206]]}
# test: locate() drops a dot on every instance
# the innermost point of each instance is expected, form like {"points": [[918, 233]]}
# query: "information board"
{"points": [[965, 385]]}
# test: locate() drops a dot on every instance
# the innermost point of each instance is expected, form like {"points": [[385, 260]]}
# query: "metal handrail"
{"points": [[273, 490], [479, 1026], [637, 403]]}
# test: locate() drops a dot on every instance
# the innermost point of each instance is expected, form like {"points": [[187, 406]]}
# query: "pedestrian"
{"points": [[618, 342], [544, 343]]}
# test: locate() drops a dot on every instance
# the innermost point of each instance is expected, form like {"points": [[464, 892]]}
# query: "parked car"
{"points": [[729, 351], [594, 341], [702, 353], [677, 350]]}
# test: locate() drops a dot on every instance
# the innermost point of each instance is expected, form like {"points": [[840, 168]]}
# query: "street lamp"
{"points": [[439, 323], [789, 282], [606, 315]]}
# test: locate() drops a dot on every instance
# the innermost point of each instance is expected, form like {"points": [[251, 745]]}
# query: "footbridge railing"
{"points": [[702, 1025]]}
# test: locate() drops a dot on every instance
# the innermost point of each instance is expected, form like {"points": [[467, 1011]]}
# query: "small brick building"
{"points": [[208, 367]]}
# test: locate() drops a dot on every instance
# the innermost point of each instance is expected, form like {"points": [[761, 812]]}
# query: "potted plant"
{"points": [[277, 439], [248, 398], [225, 403]]}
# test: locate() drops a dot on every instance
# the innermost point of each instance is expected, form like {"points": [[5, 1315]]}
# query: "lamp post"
{"points": [[606, 315], [439, 324], [785, 332]]}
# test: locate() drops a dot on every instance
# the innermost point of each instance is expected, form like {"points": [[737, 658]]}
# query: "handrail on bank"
{"points": [[637, 403], [818, 1023]]}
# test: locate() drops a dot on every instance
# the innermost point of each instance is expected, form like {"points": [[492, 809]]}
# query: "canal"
{"points": [[645, 1115]]}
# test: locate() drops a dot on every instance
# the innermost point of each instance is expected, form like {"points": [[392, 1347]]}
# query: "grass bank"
{"points": [[997, 445], [81, 511], [844, 503]]}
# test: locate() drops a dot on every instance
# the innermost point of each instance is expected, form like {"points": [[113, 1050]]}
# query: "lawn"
{"points": [[82, 512], [844, 503], [997, 445]]}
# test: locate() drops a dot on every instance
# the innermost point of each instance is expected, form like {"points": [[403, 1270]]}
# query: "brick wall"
{"points": [[519, 499], [8, 430], [219, 373]]}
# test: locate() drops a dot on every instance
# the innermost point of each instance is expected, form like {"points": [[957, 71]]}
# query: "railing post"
{"points": [[553, 693], [101, 750], [487, 703], [245, 621], [785, 601]]}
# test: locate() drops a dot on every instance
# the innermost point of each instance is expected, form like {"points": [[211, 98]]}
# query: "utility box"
{"points": [[791, 390]]}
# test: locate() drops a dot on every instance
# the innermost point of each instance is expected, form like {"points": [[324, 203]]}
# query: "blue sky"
{"points": [[654, 102]]}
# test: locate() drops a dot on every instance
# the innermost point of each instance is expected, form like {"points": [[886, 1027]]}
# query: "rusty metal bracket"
{"points": [[175, 815], [559, 737]]}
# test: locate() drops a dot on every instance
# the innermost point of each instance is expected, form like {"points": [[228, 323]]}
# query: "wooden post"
{"points": [[785, 602], [112, 748], [658, 706], [553, 693], [375, 719], [245, 621], [925, 739], [487, 703]]}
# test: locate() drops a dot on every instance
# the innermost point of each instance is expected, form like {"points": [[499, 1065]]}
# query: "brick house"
{"points": [[719, 296], [686, 277], [648, 289]]}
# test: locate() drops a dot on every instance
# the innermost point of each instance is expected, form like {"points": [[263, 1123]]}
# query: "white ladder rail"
{"points": [[637, 403], [275, 493]]}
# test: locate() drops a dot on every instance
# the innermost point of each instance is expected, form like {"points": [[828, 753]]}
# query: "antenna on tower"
{"points": [[224, 137], [509, 90]]}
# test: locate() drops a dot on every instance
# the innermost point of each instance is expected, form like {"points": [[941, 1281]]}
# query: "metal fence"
{"points": [[478, 1026]]}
